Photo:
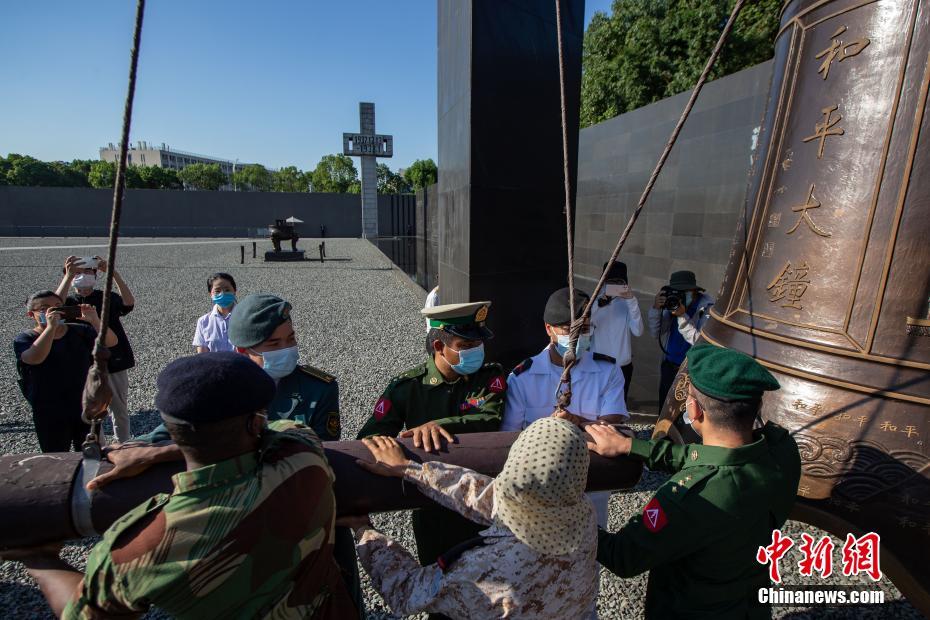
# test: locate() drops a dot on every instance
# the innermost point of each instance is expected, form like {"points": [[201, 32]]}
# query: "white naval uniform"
{"points": [[597, 390]]}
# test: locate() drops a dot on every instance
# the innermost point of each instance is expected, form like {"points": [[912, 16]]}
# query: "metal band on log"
{"points": [[38, 488], [829, 274]]}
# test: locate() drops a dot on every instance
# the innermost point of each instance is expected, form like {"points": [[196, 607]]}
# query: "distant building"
{"points": [[163, 156]]}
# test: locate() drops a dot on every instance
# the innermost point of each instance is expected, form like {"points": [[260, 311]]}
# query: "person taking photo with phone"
{"points": [[81, 275], [616, 319], [52, 359]]}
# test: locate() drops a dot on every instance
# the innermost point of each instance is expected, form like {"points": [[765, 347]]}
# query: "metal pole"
{"points": [[322, 256], [254, 250], [241, 254]]}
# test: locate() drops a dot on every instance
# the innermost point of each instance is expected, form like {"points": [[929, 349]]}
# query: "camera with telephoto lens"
{"points": [[672, 298]]}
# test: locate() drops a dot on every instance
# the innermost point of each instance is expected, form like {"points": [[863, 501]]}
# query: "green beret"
{"points": [[255, 317], [728, 375]]}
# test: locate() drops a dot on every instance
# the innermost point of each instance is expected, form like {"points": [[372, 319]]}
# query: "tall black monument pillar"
{"points": [[501, 195]]}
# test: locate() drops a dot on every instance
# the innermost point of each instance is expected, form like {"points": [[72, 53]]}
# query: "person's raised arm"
{"points": [[40, 349], [68, 276], [129, 300], [89, 316]]}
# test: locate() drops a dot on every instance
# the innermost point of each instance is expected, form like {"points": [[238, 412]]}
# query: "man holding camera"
{"points": [[675, 320], [615, 319], [52, 359]]}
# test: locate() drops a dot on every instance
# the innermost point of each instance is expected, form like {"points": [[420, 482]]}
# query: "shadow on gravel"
{"points": [[15, 427], [26, 600]]}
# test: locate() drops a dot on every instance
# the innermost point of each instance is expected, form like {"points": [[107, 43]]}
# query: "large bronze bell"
{"points": [[829, 273]]}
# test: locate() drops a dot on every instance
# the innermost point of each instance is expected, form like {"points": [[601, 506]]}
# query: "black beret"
{"points": [[210, 387], [617, 271], [255, 317], [558, 311]]}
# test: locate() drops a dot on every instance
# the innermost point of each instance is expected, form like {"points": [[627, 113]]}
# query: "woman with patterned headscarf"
{"points": [[537, 557]]}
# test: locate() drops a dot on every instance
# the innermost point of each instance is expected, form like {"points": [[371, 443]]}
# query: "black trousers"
{"points": [[344, 554], [627, 377], [59, 433], [668, 371]]}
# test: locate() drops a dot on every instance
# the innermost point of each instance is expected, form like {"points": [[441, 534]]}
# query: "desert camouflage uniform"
{"points": [[501, 579], [249, 537]]}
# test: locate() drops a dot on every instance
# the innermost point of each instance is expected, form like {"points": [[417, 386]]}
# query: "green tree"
{"points": [[27, 171], [335, 174], [155, 177], [647, 50], [421, 173], [253, 177], [389, 182], [102, 175], [203, 176], [290, 179]]}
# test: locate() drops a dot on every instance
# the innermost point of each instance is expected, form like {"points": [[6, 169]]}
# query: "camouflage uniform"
{"points": [[229, 541], [504, 578]]}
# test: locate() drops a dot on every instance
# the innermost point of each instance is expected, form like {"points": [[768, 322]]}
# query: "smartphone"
{"points": [[88, 262], [617, 290], [69, 313]]}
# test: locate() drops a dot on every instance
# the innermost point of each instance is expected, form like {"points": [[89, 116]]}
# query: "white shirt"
{"points": [[597, 390], [212, 331], [614, 324], [432, 300]]}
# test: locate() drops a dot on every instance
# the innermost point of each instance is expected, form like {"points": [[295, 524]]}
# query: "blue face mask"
{"points": [[224, 300], [470, 360], [561, 344], [281, 362]]}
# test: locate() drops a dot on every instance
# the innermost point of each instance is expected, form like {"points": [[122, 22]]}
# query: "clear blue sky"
{"points": [[270, 82]]}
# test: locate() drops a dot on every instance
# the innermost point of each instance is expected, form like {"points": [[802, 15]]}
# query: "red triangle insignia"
{"points": [[382, 407], [498, 384], [653, 516]]}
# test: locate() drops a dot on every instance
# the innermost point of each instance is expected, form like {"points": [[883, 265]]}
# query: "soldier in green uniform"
{"points": [[699, 534], [453, 391], [231, 540]]}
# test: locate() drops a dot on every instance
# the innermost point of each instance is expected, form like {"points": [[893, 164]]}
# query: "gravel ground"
{"points": [[355, 318]]}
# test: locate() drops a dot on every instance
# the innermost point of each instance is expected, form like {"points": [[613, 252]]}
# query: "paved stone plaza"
{"points": [[356, 318]]}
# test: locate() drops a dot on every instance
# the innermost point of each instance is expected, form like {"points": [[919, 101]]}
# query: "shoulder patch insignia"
{"points": [[316, 373], [523, 366], [653, 516], [498, 384], [332, 423], [382, 408], [603, 357], [416, 371]]}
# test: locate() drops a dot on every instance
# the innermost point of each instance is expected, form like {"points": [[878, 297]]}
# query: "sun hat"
{"points": [[539, 494]]}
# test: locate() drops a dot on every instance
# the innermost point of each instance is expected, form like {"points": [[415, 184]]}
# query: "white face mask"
{"points": [[85, 280]]}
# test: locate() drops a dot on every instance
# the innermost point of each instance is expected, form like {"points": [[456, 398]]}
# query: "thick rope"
{"points": [[708, 67], [97, 392], [564, 397]]}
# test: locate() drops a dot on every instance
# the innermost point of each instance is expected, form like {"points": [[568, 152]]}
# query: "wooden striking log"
{"points": [[37, 490]]}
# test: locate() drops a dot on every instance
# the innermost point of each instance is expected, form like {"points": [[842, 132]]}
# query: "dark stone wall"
{"points": [[427, 275], [74, 211], [500, 157], [690, 218]]}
